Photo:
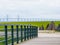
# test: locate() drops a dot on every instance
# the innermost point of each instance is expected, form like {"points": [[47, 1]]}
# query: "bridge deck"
{"points": [[44, 39]]}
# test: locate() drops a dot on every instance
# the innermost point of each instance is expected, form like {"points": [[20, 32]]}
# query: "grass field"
{"points": [[44, 23], [9, 40]]}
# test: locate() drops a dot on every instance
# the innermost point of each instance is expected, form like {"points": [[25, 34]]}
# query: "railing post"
{"points": [[21, 33], [6, 39], [30, 32], [27, 33], [33, 31], [37, 31], [24, 33], [12, 34], [36, 28], [17, 34]]}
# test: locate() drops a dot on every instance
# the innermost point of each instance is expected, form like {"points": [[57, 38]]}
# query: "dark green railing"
{"points": [[23, 33]]}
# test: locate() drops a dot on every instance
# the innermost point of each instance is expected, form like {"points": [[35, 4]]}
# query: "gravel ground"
{"points": [[44, 39]]}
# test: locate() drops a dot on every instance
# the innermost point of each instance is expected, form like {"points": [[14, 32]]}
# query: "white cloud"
{"points": [[10, 4], [51, 3], [30, 8]]}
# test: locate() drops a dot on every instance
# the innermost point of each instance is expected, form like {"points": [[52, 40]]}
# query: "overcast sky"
{"points": [[30, 8]]}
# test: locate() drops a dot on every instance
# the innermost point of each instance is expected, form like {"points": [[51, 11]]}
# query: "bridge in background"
{"points": [[18, 19]]}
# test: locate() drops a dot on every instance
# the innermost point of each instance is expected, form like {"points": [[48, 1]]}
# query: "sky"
{"points": [[49, 9]]}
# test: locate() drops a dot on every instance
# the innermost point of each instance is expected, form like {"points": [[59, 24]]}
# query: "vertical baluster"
{"points": [[36, 28], [37, 31], [27, 33], [6, 39], [12, 34], [17, 34], [33, 31], [24, 33], [30, 31], [21, 33]]}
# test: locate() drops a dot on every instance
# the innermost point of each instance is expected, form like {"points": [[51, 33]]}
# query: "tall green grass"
{"points": [[39, 24]]}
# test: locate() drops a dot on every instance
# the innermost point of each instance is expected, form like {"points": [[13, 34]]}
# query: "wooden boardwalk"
{"points": [[44, 39]]}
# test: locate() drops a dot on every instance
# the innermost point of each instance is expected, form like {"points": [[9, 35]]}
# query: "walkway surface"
{"points": [[44, 39]]}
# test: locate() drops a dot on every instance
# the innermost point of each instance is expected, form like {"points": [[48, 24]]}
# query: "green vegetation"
{"points": [[1, 38], [44, 23], [9, 40]]}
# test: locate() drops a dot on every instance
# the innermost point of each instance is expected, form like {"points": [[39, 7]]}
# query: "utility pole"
{"points": [[18, 18], [7, 18]]}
